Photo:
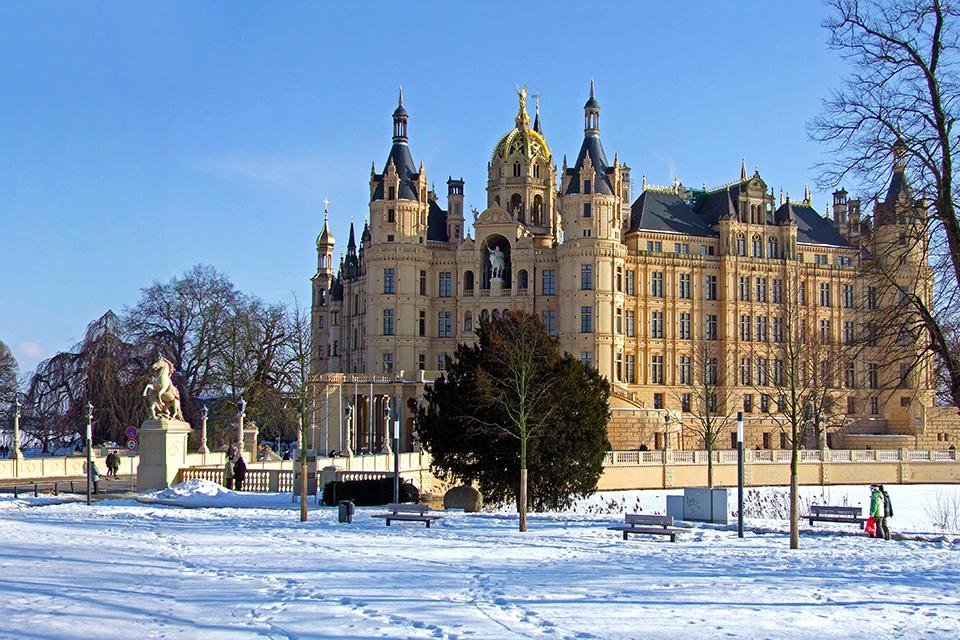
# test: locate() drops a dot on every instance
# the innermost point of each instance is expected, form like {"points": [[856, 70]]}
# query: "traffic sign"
{"points": [[132, 432], [132, 444]]}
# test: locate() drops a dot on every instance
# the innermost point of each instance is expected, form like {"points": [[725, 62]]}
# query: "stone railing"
{"points": [[778, 456]]}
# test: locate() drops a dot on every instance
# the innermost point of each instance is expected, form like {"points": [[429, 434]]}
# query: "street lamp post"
{"points": [[89, 448], [396, 449], [303, 466], [740, 474], [16, 453], [386, 424], [203, 430]]}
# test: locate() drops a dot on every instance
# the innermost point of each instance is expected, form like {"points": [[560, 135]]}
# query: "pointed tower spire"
{"points": [[591, 113], [807, 195], [351, 241], [325, 239], [536, 118], [743, 168], [400, 117]]}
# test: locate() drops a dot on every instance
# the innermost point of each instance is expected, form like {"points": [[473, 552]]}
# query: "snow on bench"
{"points": [[408, 513], [648, 525], [829, 513]]}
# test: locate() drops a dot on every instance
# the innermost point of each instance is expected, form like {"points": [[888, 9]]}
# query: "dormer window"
{"points": [[587, 186]]}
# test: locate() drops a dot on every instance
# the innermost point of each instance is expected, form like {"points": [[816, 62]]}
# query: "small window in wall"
{"points": [[783, 441], [766, 439], [587, 212], [658, 401], [587, 186], [391, 215], [733, 439]]}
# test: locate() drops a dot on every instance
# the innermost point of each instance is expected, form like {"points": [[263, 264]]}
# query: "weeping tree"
{"points": [[8, 382], [514, 415]]}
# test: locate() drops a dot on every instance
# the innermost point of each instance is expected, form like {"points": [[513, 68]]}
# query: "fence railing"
{"points": [[778, 456]]}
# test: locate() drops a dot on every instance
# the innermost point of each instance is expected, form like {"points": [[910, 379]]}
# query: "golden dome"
{"points": [[522, 143]]}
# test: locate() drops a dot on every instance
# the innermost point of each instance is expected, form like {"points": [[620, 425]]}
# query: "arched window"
{"points": [[536, 170], [536, 217], [468, 321], [522, 279], [516, 206], [756, 247], [741, 245], [484, 316], [468, 282], [496, 314], [516, 169], [773, 248]]}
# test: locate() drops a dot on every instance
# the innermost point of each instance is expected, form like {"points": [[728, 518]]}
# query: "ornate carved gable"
{"points": [[494, 215]]}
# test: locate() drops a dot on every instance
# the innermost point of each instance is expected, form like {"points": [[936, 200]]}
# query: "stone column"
{"points": [[203, 431], [163, 451], [240, 417], [16, 453], [351, 420], [249, 442]]}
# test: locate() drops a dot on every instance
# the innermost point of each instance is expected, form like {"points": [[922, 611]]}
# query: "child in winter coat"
{"points": [[877, 511], [239, 472]]}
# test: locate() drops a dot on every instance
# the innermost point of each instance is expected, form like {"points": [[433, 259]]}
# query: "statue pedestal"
{"points": [[496, 286], [163, 451], [250, 433]]}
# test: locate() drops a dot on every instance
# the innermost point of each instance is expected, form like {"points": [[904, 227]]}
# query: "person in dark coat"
{"points": [[887, 514], [239, 473]]}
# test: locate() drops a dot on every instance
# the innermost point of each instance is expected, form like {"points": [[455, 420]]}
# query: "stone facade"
{"points": [[632, 285]]}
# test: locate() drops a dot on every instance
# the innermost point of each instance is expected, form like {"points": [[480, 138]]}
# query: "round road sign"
{"points": [[131, 432], [132, 444]]}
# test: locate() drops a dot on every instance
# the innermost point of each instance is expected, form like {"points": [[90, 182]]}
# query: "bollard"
{"points": [[55, 489], [15, 496], [35, 490]]}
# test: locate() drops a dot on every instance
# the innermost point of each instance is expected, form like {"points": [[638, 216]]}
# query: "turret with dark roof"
{"points": [[592, 148], [400, 157]]}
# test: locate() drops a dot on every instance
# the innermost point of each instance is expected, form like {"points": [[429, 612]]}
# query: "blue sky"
{"points": [[139, 139]]}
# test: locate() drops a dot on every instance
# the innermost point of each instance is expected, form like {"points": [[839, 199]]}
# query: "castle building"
{"points": [[633, 285]]}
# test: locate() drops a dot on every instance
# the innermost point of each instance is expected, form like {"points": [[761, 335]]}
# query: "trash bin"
{"points": [[345, 513]]}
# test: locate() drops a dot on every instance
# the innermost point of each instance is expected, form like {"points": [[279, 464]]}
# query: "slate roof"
{"points": [[406, 171], [437, 223], [674, 213], [899, 189], [594, 148], [659, 211], [812, 228]]}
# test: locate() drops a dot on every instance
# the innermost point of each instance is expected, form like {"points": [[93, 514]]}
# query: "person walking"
{"points": [[109, 461], [883, 528], [876, 509], [228, 473], [239, 473], [94, 475]]}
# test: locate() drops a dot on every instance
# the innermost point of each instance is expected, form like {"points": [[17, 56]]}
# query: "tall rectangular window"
{"points": [[620, 279], [848, 332], [656, 284], [423, 282], [631, 322], [631, 282], [550, 321], [848, 296], [873, 375], [777, 292], [824, 294], [684, 326], [586, 358], [422, 323], [745, 376], [587, 212], [825, 334], [683, 285], [710, 287], [586, 319], [631, 369], [761, 328], [388, 322], [388, 363], [619, 326], [850, 375], [778, 372], [656, 369], [762, 372], [549, 282], [656, 324], [389, 286], [683, 370], [871, 297], [711, 373], [586, 276], [710, 326], [745, 288], [778, 329], [444, 324], [445, 284], [761, 289], [745, 328]]}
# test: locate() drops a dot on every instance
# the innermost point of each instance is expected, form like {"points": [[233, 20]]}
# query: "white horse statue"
{"points": [[163, 398]]}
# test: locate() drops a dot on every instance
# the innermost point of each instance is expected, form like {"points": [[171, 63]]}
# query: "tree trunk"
{"points": [[794, 502], [523, 499], [710, 466], [303, 472]]}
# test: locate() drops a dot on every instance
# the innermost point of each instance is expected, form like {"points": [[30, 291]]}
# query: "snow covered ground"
{"points": [[245, 567]]}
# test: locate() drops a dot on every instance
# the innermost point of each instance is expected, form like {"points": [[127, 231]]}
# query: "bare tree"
{"points": [[185, 320], [705, 392], [902, 96], [8, 380]]}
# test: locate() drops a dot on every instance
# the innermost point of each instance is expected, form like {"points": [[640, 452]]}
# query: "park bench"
{"points": [[408, 513], [828, 513], [649, 525]]}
